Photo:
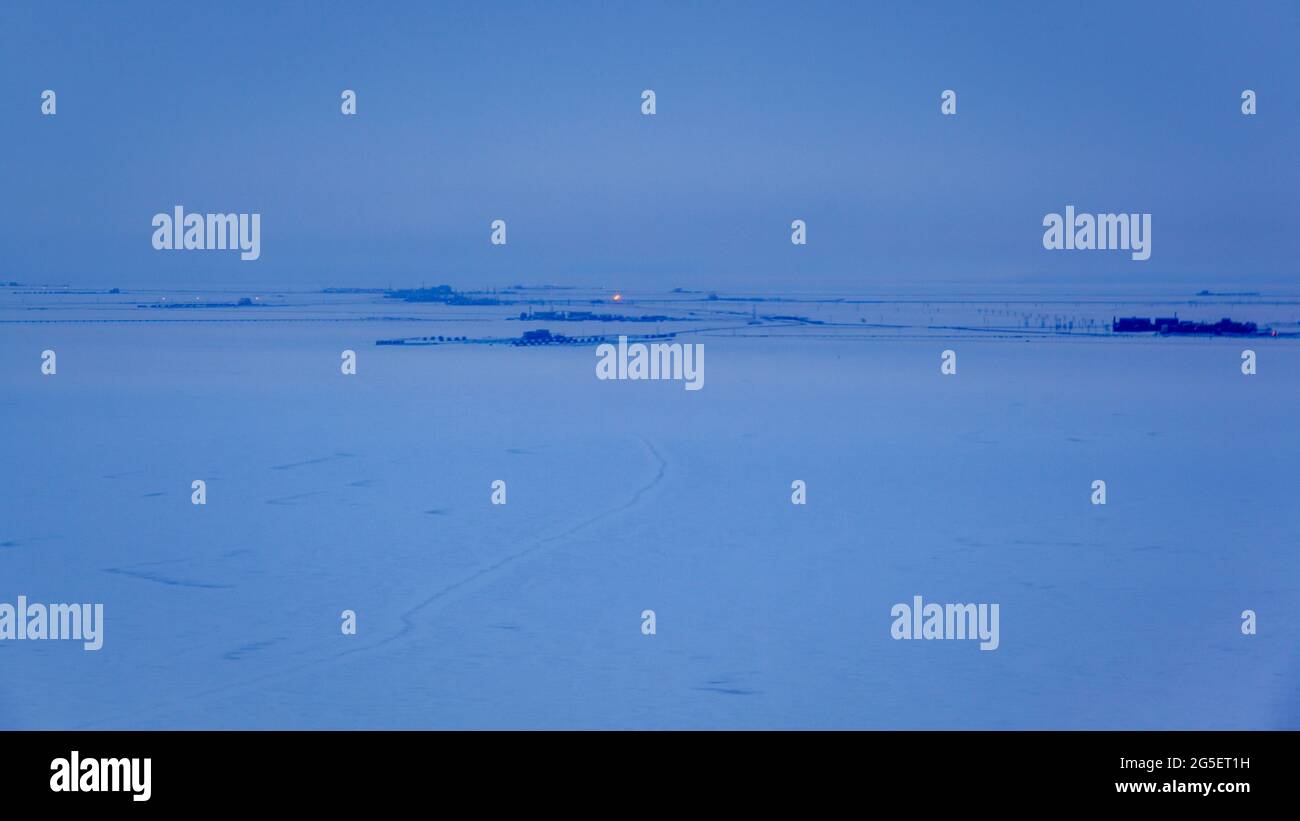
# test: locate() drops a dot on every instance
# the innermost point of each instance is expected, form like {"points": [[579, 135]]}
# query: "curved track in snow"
{"points": [[408, 617]]}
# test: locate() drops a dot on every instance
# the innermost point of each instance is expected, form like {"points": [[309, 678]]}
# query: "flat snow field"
{"points": [[371, 493]]}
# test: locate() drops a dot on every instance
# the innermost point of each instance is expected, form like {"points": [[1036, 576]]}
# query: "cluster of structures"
{"points": [[244, 302], [544, 337], [538, 337], [541, 336], [443, 294], [587, 316], [1174, 325], [423, 340]]}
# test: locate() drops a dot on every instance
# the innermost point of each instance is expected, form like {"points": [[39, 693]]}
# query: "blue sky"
{"points": [[530, 112]]}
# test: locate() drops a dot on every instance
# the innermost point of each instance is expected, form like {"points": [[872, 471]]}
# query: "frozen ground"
{"points": [[371, 493]]}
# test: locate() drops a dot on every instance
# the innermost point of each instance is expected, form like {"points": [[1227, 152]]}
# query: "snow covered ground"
{"points": [[371, 493]]}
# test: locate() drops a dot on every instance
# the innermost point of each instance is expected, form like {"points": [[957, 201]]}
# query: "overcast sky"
{"points": [[766, 113]]}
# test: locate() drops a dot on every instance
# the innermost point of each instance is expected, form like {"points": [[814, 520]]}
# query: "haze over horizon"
{"points": [[765, 114]]}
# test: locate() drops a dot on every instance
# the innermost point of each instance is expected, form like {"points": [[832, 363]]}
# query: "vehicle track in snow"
{"points": [[409, 617]]}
